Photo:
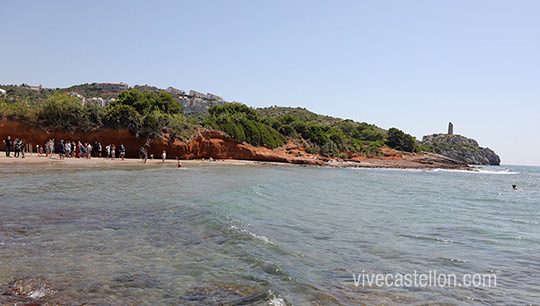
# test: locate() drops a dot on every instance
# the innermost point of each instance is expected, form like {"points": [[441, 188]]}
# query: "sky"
{"points": [[414, 65]]}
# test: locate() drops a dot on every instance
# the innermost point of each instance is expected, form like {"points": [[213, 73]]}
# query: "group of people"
{"points": [[18, 146], [74, 149], [64, 148]]}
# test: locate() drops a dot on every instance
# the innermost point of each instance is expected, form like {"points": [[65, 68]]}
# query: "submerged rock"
{"points": [[27, 291], [461, 148]]}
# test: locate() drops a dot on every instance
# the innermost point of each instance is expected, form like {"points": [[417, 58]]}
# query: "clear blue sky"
{"points": [[414, 65]]}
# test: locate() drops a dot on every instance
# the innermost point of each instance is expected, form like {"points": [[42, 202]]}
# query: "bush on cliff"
{"points": [[146, 114], [399, 140], [122, 116], [61, 111], [145, 102], [243, 124], [22, 110]]}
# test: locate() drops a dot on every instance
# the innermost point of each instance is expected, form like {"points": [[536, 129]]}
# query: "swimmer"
{"points": [[514, 187]]}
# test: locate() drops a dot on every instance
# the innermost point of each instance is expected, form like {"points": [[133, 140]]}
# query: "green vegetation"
{"points": [[243, 124], [399, 140], [61, 111], [324, 134], [148, 114]]}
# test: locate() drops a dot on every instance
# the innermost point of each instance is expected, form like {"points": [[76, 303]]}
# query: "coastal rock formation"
{"points": [[218, 145], [461, 148]]}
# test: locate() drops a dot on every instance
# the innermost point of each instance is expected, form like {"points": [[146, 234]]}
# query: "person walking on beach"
{"points": [[67, 149], [22, 147], [141, 153], [163, 156], [95, 148], [16, 148], [61, 149], [46, 148], [108, 150], [99, 149], [51, 148], [7, 141], [122, 151], [83, 150], [113, 151], [89, 149]]}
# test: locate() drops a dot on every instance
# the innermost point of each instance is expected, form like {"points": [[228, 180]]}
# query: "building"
{"points": [[113, 86], [450, 128], [147, 87], [213, 97], [197, 94], [75, 94], [2, 92], [98, 101], [36, 88], [175, 92]]}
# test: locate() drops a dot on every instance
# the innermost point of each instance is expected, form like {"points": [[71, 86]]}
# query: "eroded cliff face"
{"points": [[218, 145], [461, 148], [207, 143]]}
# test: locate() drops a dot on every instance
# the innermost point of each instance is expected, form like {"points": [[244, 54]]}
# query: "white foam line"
{"points": [[256, 236]]}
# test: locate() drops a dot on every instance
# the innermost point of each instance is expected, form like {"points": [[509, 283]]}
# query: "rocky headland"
{"points": [[461, 148]]}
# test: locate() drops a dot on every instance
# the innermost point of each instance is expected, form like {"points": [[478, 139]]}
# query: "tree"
{"points": [[399, 140]]}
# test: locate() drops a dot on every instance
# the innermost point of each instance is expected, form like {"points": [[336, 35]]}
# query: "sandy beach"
{"points": [[427, 161], [97, 161]]}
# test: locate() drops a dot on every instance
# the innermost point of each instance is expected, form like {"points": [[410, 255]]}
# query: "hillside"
{"points": [[158, 114], [274, 112], [461, 148]]}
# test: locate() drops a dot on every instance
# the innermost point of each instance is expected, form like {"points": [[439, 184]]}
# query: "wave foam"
{"points": [[256, 236]]}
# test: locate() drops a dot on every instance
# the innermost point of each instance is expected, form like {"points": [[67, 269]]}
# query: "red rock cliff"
{"points": [[206, 144]]}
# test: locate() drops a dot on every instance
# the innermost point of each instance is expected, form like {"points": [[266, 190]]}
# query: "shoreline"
{"points": [[370, 163], [221, 147]]}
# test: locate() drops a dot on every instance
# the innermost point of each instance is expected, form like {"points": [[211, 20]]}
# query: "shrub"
{"points": [[399, 140], [287, 130], [122, 116], [61, 111]]}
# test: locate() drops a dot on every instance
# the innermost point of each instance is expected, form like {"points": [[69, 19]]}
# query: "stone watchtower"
{"points": [[450, 128]]}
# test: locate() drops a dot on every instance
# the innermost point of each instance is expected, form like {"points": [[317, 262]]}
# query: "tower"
{"points": [[450, 128]]}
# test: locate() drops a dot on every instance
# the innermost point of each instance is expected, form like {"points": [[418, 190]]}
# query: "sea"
{"points": [[226, 234]]}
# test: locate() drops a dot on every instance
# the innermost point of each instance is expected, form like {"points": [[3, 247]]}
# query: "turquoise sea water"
{"points": [[243, 235]]}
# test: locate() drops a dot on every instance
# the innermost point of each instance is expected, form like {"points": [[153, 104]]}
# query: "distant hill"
{"points": [[461, 148], [274, 112]]}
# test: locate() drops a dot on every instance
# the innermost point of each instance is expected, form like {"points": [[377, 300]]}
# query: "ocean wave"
{"points": [[475, 170], [256, 236]]}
